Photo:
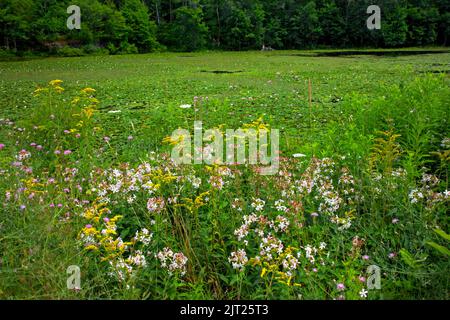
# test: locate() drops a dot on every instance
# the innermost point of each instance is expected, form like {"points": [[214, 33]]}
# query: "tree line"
{"points": [[129, 26]]}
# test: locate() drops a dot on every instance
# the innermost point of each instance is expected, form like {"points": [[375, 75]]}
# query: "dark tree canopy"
{"points": [[126, 26]]}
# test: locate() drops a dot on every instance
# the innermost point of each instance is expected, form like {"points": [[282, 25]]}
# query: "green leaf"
{"points": [[439, 248], [224, 278], [442, 234], [406, 257]]}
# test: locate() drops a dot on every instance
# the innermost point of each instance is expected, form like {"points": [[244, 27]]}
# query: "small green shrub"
{"points": [[70, 52]]}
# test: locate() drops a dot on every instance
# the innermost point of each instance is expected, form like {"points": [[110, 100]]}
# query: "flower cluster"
{"points": [[327, 190], [124, 269], [267, 237], [101, 236], [219, 176], [143, 236], [426, 192], [238, 259], [173, 262], [155, 205]]}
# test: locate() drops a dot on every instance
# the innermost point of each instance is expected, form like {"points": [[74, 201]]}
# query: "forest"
{"points": [[140, 26]]}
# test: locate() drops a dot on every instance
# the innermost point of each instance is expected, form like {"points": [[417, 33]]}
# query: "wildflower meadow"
{"points": [[95, 205]]}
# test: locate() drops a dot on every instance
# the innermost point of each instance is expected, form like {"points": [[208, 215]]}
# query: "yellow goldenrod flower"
{"points": [[88, 112], [94, 100], [90, 231], [173, 141], [199, 201], [88, 90], [38, 91], [263, 272], [103, 210], [55, 83], [89, 214], [115, 219], [110, 232], [58, 89], [75, 100]]}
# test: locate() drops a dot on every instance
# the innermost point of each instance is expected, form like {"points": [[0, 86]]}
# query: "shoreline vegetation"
{"points": [[323, 52], [141, 26]]}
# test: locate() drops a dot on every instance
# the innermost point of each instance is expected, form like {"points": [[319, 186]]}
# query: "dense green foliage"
{"points": [[127, 26]]}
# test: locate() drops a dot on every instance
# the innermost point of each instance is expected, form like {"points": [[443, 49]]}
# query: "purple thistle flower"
{"points": [[392, 255]]}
